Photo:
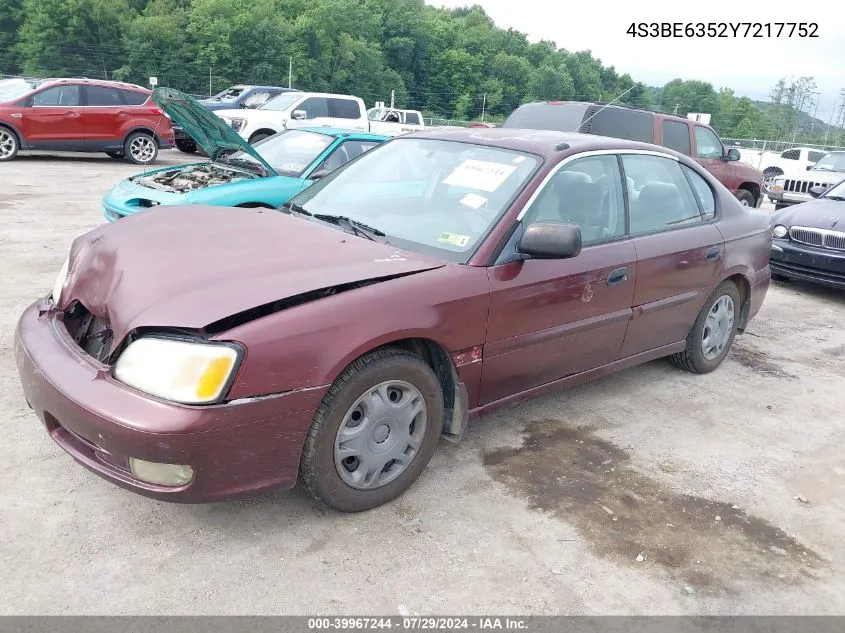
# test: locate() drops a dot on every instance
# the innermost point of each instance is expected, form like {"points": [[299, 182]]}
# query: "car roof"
{"points": [[92, 82], [543, 142]]}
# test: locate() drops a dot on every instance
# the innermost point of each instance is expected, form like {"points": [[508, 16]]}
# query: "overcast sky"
{"points": [[750, 66]]}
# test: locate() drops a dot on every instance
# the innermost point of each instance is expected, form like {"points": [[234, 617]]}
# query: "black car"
{"points": [[808, 241]]}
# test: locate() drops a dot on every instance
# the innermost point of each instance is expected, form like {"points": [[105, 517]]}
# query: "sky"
{"points": [[750, 66]]}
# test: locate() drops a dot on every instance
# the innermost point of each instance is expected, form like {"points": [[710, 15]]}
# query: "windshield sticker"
{"points": [[474, 201], [453, 239], [479, 174]]}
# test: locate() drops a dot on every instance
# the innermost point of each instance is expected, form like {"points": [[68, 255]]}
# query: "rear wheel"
{"points": [[9, 144], [140, 148], [713, 332], [189, 147], [374, 432], [745, 197]]}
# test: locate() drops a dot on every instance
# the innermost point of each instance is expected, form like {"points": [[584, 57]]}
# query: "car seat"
{"points": [[581, 204], [659, 204]]}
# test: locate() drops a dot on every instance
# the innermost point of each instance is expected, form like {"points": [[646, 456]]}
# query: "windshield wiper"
{"points": [[358, 228], [292, 207], [837, 198]]}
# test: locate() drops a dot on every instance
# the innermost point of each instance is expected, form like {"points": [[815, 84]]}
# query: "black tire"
{"points": [[317, 468], [692, 359], [258, 136], [189, 147], [133, 152], [10, 144], [115, 155], [745, 197]]}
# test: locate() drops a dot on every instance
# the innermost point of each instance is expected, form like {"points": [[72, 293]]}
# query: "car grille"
{"points": [[90, 332], [800, 186], [834, 240]]}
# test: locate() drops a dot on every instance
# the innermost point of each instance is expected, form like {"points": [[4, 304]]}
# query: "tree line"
{"points": [[453, 64]]}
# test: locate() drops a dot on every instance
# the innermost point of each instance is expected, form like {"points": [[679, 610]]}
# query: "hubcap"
{"points": [[717, 327], [7, 144], [380, 435], [744, 202], [142, 149]]}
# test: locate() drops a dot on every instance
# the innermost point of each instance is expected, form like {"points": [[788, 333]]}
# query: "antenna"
{"points": [[603, 107]]}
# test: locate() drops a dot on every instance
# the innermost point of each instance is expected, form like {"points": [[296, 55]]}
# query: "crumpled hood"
{"points": [[207, 129], [820, 214], [191, 266]]}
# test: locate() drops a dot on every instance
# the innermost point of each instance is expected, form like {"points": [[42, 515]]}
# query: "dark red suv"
{"points": [[82, 115]]}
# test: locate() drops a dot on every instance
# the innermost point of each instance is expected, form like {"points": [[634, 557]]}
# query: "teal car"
{"points": [[237, 174]]}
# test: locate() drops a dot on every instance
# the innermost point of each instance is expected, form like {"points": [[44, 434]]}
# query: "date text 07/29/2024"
{"points": [[723, 29]]}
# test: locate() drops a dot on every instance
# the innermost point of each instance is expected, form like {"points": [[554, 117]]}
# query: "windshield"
{"points": [[11, 89], [230, 94], [837, 192], [282, 101], [835, 161], [437, 198], [288, 153]]}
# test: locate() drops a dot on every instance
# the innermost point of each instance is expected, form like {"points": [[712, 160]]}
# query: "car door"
{"points": [[53, 118], [347, 114], [554, 318], [316, 111], [104, 117], [678, 248], [710, 154]]}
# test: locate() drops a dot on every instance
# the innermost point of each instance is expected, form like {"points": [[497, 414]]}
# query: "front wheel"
{"points": [[713, 332], [374, 432], [745, 197], [9, 144], [140, 148], [258, 136]]}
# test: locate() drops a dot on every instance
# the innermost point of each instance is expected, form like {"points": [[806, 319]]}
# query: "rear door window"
{"points": [[632, 125], [102, 96], [676, 136], [344, 109], [660, 197], [703, 192]]}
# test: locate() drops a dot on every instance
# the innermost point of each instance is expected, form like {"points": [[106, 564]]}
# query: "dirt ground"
{"points": [[651, 491]]}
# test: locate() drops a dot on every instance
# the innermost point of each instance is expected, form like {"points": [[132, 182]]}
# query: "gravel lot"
{"points": [[648, 492]]}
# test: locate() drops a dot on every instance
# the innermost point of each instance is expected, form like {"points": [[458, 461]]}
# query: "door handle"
{"points": [[713, 254], [618, 276]]}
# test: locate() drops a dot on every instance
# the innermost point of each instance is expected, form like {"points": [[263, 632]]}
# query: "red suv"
{"points": [[82, 115], [696, 140]]}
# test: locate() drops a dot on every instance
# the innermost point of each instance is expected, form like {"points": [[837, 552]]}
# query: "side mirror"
{"points": [[298, 115], [550, 240], [733, 154], [809, 167], [319, 173], [817, 190]]}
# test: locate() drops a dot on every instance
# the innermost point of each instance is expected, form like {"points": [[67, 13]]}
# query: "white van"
{"points": [[298, 109]]}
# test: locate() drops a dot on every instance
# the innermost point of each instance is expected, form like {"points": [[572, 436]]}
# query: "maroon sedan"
{"points": [[212, 352]]}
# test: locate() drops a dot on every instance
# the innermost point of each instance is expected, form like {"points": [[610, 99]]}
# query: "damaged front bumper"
{"points": [[233, 448]]}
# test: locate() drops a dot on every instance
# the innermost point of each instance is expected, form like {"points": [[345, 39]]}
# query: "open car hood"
{"points": [[209, 131], [192, 266]]}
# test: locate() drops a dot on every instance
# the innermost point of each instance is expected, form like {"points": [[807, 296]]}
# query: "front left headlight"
{"points": [[60, 282], [237, 124], [189, 372], [780, 231]]}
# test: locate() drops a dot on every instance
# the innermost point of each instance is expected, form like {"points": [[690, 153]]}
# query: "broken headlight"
{"points": [[235, 124], [60, 282]]}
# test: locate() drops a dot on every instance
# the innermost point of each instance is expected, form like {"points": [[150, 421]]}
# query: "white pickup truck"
{"points": [[393, 121], [291, 110]]}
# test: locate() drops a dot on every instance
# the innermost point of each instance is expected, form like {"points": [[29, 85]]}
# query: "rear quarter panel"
{"points": [[309, 345]]}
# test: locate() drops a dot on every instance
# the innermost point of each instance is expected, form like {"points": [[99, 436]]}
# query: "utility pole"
{"points": [[675, 111], [483, 105], [392, 98], [290, 72], [209, 82]]}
